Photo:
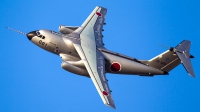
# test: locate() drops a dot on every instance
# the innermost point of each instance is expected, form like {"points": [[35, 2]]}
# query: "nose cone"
{"points": [[30, 35]]}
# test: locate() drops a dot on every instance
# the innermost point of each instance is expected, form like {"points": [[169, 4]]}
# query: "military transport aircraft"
{"points": [[82, 52]]}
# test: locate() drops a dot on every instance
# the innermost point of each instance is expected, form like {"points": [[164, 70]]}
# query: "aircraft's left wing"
{"points": [[89, 39]]}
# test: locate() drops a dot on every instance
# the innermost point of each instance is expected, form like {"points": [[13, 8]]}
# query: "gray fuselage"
{"points": [[116, 63]]}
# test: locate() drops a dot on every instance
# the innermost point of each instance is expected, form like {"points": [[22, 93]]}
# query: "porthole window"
{"points": [[43, 37], [56, 50]]}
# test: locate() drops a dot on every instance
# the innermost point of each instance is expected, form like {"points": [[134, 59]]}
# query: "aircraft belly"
{"points": [[120, 65]]}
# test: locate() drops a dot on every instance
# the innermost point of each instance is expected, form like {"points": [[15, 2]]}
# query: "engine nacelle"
{"points": [[67, 29], [74, 69]]}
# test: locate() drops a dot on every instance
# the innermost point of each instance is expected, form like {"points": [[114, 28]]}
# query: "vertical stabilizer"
{"points": [[182, 51]]}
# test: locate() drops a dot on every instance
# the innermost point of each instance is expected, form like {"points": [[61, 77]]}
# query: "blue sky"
{"points": [[31, 79]]}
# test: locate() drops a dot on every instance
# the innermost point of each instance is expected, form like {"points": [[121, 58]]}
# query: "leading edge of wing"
{"points": [[97, 76]]}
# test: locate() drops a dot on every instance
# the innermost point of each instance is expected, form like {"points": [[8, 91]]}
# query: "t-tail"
{"points": [[171, 58]]}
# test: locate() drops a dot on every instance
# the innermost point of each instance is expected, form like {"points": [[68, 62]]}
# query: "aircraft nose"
{"points": [[30, 35]]}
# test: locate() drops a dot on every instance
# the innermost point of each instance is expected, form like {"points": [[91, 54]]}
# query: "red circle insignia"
{"points": [[105, 93], [98, 13], [115, 67]]}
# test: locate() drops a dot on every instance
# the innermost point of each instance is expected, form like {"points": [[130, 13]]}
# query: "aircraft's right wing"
{"points": [[90, 39]]}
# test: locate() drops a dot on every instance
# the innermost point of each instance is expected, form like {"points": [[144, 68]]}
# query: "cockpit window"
{"points": [[39, 35]]}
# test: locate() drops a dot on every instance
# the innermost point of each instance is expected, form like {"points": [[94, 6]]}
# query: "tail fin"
{"points": [[171, 58], [182, 51]]}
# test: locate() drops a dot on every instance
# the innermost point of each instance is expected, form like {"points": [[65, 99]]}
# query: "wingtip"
{"points": [[101, 7], [111, 106], [192, 75]]}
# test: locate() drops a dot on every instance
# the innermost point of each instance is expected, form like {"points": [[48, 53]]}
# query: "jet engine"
{"points": [[67, 29], [74, 69]]}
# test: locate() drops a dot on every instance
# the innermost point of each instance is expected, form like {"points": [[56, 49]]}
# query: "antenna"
{"points": [[170, 48], [18, 31], [164, 46]]}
